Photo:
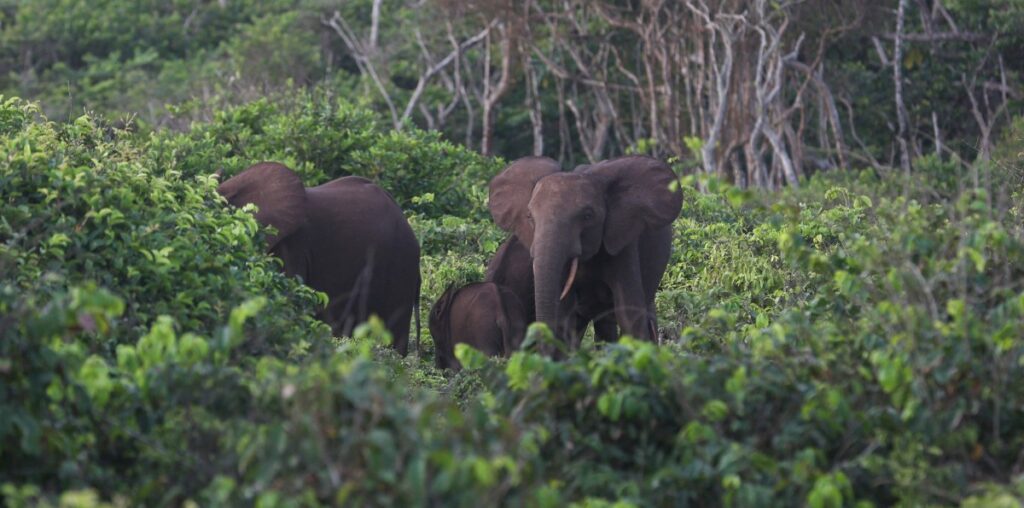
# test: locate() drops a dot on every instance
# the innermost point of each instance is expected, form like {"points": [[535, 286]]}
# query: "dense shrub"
{"points": [[323, 138], [81, 209], [81, 205], [856, 341], [845, 344], [139, 392]]}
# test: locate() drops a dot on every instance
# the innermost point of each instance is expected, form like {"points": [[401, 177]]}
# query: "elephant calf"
{"points": [[484, 315]]}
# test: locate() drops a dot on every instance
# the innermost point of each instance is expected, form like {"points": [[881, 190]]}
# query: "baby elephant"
{"points": [[484, 315]]}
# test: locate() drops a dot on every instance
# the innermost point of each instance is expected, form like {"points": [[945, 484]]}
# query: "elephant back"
{"points": [[358, 185]]}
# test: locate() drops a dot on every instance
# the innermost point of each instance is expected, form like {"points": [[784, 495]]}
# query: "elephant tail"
{"points": [[416, 310], [501, 320]]}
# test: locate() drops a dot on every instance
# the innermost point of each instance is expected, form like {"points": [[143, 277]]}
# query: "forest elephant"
{"points": [[484, 315], [597, 240], [347, 238], [512, 267]]}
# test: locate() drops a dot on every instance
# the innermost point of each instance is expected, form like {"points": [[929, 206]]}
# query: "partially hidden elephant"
{"points": [[347, 238], [512, 267], [484, 315], [588, 245]]}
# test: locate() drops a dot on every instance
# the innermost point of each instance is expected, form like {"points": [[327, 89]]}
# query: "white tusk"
{"points": [[572, 277]]}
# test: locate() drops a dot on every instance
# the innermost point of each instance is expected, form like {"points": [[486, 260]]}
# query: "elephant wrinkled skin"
{"points": [[590, 245], [347, 238]]}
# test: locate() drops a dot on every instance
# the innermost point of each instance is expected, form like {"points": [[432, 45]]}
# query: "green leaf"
{"points": [[95, 378], [470, 357], [715, 410]]}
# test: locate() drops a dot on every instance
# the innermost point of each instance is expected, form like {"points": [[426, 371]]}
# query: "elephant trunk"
{"points": [[547, 279], [550, 283]]}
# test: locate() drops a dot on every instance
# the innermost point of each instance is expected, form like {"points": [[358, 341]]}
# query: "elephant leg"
{"points": [[512, 268], [601, 311], [652, 322], [393, 290], [625, 279], [571, 326], [655, 251], [605, 329], [399, 328]]}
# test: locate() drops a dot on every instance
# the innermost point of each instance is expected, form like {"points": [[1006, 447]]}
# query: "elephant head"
{"points": [[439, 323], [565, 218], [276, 191]]}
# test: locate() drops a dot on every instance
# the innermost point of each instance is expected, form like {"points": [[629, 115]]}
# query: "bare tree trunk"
{"points": [[493, 95], [564, 134], [796, 148], [987, 119], [437, 67], [657, 70], [533, 103], [374, 25], [363, 60], [897, 77], [722, 74], [470, 116]]}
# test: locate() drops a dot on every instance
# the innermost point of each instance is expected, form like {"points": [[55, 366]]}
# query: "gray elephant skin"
{"points": [[347, 238], [589, 245], [483, 315]]}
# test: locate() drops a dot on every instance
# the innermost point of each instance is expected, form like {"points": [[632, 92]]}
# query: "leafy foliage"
{"points": [[323, 138], [856, 341]]}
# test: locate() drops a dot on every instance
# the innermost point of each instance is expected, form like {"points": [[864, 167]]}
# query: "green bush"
{"points": [[83, 206], [856, 341], [323, 138], [881, 368], [140, 393], [131, 58]]}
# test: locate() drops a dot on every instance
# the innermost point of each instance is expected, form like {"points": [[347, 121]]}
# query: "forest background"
{"points": [[757, 92]]}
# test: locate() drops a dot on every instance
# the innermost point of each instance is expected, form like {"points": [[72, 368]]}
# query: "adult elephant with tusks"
{"points": [[598, 237], [347, 238]]}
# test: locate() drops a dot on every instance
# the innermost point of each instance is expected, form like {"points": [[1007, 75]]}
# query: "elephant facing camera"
{"points": [[587, 246]]}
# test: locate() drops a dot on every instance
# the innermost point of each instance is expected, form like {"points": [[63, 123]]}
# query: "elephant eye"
{"points": [[588, 215]]}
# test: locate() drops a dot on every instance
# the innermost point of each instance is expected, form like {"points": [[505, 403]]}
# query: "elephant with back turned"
{"points": [[347, 238], [590, 245]]}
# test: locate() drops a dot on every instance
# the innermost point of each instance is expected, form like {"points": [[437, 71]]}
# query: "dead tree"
{"points": [[372, 63], [494, 88], [897, 79]]}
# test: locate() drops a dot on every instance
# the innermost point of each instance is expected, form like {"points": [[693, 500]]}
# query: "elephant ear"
{"points": [[639, 198], [510, 193], [278, 193]]}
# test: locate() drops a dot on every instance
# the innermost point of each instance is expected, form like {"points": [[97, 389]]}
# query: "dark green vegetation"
{"points": [[851, 341], [855, 341], [576, 80]]}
